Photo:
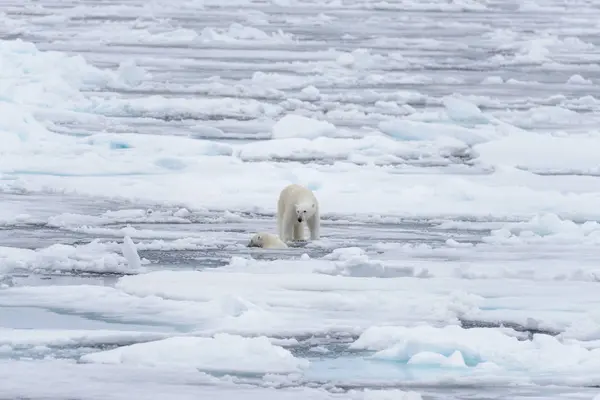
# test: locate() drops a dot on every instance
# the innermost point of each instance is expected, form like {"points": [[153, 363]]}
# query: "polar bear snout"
{"points": [[300, 219]]}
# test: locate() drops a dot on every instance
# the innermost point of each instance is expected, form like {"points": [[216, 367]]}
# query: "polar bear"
{"points": [[296, 205], [266, 241]]}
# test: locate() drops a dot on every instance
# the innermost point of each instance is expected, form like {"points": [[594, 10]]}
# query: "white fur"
{"points": [[297, 205], [266, 241]]}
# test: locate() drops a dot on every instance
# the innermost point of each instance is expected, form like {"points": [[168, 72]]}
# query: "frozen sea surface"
{"points": [[453, 146]]}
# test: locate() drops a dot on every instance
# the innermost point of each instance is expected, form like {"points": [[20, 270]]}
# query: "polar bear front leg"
{"points": [[298, 231], [287, 228], [280, 230], [314, 225]]}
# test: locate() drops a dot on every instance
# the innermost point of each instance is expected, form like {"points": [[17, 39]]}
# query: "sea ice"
{"points": [[91, 257], [131, 255], [458, 181], [222, 353], [453, 346], [124, 381], [292, 125], [19, 338]]}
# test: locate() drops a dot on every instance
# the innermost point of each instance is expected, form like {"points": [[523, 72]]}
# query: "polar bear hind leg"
{"points": [[280, 225], [314, 226], [281, 218]]}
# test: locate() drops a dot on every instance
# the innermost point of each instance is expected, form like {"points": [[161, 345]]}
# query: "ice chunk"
{"points": [[54, 379], [360, 59], [91, 257], [311, 93], [428, 358], [132, 74], [237, 32], [445, 134], [298, 126], [19, 338], [546, 228], [543, 153], [131, 254], [461, 110], [354, 261], [222, 353], [393, 394], [493, 80], [579, 80], [442, 346], [151, 145]]}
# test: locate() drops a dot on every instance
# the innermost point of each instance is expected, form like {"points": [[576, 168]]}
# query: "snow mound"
{"points": [[460, 110], [123, 382], [48, 78], [544, 154], [371, 149], [428, 358], [240, 33], [546, 228], [289, 297], [130, 253], [104, 154], [131, 74], [91, 257], [222, 353], [454, 346], [355, 262], [21, 338], [157, 145], [122, 216], [579, 80], [361, 59], [443, 133], [393, 394], [44, 78], [23, 135], [298, 126], [168, 107]]}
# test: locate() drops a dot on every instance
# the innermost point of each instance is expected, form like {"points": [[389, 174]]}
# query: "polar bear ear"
{"points": [[313, 205]]}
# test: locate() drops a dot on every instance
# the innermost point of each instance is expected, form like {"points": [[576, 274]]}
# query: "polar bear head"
{"points": [[257, 240], [305, 210]]}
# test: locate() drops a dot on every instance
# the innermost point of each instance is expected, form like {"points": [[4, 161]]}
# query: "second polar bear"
{"points": [[297, 205], [266, 240]]}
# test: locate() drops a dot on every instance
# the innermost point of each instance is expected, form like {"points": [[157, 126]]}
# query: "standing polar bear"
{"points": [[296, 205]]}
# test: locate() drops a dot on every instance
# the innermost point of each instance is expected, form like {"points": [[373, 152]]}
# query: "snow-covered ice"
{"points": [[221, 353], [452, 146]]}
